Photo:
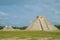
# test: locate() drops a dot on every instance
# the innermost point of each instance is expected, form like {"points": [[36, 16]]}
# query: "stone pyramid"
{"points": [[41, 24]]}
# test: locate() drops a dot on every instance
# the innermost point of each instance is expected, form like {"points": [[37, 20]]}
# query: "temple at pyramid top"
{"points": [[40, 16], [41, 23]]}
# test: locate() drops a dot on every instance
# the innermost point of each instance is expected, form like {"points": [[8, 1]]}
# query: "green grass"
{"points": [[28, 34]]}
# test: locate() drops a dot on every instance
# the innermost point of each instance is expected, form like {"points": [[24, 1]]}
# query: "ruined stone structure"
{"points": [[41, 24], [7, 28]]}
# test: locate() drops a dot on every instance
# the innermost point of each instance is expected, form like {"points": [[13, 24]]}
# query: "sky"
{"points": [[24, 12]]}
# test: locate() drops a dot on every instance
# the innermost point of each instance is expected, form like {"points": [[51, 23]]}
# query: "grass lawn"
{"points": [[29, 34]]}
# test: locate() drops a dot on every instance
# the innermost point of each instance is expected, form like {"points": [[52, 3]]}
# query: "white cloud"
{"points": [[57, 12], [15, 16], [3, 14], [2, 23], [34, 8], [15, 23]]}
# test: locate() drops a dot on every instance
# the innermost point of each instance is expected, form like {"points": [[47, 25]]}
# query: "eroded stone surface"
{"points": [[41, 24]]}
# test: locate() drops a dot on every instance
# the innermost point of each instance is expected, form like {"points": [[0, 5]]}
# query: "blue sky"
{"points": [[23, 12]]}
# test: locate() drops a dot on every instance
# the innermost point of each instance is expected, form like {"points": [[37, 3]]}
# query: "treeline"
{"points": [[1, 27], [15, 27], [24, 27], [58, 26]]}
